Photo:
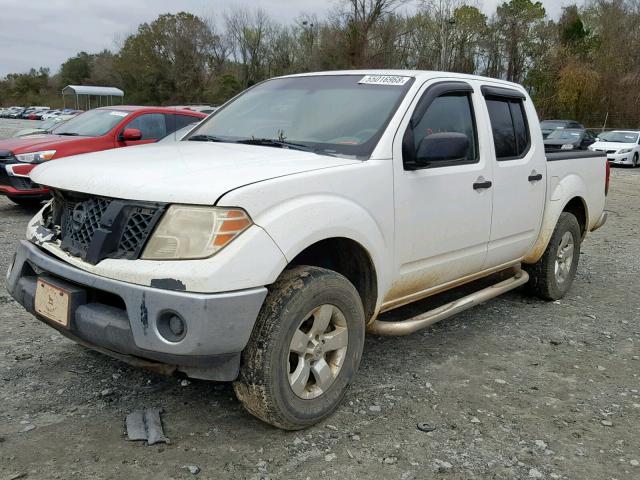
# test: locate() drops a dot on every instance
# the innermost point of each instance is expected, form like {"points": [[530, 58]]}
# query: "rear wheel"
{"points": [[552, 275], [304, 350]]}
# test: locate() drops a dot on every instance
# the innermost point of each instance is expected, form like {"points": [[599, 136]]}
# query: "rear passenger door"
{"points": [[519, 186]]}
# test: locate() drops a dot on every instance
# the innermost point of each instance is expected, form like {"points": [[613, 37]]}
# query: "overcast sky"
{"points": [[45, 33]]}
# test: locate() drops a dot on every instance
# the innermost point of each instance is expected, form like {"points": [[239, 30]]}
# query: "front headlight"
{"points": [[625, 150], [190, 232], [36, 157], [567, 146]]}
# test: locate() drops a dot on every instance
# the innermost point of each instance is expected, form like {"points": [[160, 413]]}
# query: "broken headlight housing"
{"points": [[191, 232]]}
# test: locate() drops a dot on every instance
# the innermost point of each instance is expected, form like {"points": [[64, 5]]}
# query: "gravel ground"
{"points": [[516, 389], [10, 126]]}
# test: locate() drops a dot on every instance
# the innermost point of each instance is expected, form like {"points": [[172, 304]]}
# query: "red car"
{"points": [[92, 131]]}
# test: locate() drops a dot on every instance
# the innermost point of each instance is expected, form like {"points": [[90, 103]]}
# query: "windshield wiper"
{"points": [[272, 142], [205, 138], [69, 134]]}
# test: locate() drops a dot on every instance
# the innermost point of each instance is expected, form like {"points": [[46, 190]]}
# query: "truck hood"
{"points": [[184, 172], [36, 143], [612, 145]]}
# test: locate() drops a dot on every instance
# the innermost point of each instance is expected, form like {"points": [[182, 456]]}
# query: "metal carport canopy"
{"points": [[91, 90], [88, 91]]}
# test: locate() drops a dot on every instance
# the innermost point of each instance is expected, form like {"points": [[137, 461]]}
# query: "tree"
{"points": [[470, 28], [516, 22], [248, 32], [167, 60], [76, 70]]}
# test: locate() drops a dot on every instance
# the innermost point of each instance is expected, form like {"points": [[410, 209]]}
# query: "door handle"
{"points": [[482, 185], [535, 178]]}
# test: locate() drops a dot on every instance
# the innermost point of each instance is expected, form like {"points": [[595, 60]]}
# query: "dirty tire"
{"points": [[263, 385], [543, 281], [27, 201]]}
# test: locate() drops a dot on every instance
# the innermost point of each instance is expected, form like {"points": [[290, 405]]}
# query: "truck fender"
{"points": [[324, 216], [560, 193]]}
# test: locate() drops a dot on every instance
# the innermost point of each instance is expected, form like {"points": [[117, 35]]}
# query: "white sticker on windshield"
{"points": [[118, 114], [384, 80]]}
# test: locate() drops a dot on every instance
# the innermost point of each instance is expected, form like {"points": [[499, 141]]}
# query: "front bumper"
{"points": [[15, 185], [123, 318], [620, 158]]}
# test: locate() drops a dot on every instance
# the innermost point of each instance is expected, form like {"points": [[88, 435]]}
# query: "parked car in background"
{"points": [[99, 129], [262, 247], [569, 139], [45, 127], [621, 146], [17, 112], [548, 126], [50, 114], [33, 113]]}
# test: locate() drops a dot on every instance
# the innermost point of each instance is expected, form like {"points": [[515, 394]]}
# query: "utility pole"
{"points": [[445, 26]]}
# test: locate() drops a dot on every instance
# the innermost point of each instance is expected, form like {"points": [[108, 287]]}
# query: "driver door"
{"points": [[152, 126], [442, 210]]}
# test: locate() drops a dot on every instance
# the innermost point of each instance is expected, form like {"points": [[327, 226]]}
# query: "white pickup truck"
{"points": [[262, 247]]}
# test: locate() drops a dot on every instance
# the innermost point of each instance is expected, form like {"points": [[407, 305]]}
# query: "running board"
{"points": [[411, 325]]}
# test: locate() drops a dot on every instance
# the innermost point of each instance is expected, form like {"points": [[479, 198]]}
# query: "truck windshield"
{"points": [[93, 123], [326, 114]]}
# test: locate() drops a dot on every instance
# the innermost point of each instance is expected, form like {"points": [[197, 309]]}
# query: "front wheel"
{"points": [[304, 350], [636, 160], [552, 275]]}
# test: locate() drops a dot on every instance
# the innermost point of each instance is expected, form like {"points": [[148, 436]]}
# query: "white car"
{"points": [[51, 114], [262, 248], [621, 146]]}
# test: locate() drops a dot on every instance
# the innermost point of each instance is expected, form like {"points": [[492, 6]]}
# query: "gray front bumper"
{"points": [[218, 325]]}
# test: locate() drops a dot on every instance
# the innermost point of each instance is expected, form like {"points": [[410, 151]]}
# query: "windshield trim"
{"points": [[352, 151]]}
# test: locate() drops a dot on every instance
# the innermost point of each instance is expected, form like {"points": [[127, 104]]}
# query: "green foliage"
{"points": [[76, 70]]}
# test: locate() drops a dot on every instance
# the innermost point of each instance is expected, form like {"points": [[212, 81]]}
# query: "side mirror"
{"points": [[131, 135], [440, 147]]}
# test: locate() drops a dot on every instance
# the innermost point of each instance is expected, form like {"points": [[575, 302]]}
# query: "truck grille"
{"points": [[81, 220], [95, 228]]}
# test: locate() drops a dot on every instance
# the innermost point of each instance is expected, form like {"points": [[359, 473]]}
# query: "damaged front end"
{"points": [[93, 228], [152, 326]]}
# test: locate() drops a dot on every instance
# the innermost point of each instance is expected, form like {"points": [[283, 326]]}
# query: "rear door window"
{"points": [[509, 125]]}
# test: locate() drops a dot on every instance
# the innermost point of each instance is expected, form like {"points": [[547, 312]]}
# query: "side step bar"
{"points": [[411, 325]]}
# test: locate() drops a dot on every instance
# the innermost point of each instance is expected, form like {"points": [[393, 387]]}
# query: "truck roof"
{"points": [[418, 74]]}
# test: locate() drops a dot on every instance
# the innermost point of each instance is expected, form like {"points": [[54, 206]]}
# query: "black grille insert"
{"points": [[80, 221], [95, 228]]}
